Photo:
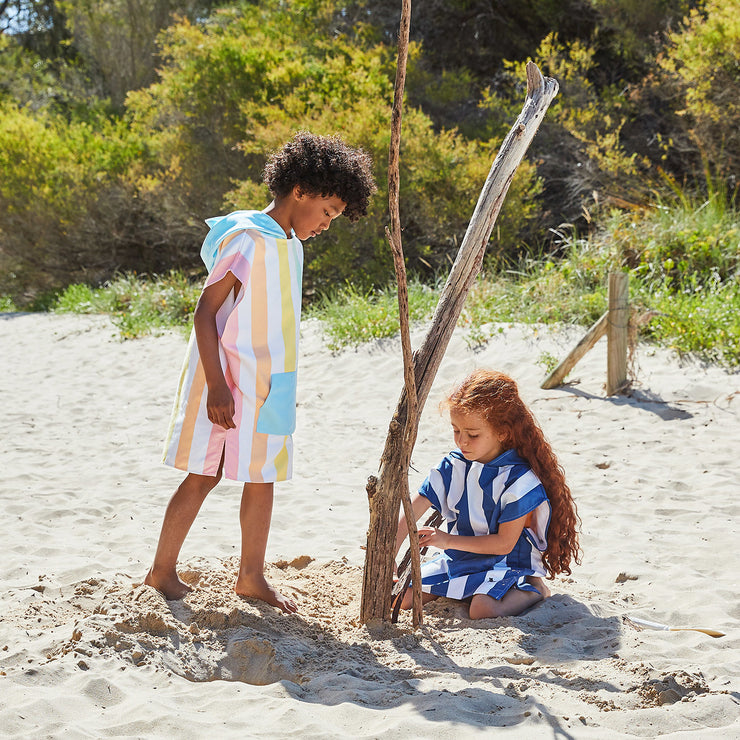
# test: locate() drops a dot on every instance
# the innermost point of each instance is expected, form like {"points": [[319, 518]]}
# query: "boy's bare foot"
{"points": [[257, 587], [168, 584]]}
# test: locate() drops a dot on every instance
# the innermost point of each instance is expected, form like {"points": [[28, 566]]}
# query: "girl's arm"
{"points": [[501, 543], [220, 402]]}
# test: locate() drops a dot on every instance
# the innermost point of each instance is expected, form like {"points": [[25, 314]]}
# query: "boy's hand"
{"points": [[434, 537], [220, 406]]}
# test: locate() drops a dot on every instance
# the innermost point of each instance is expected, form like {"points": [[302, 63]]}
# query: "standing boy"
{"points": [[234, 412]]}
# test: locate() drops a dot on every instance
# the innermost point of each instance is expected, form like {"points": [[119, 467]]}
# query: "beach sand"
{"points": [[87, 651]]}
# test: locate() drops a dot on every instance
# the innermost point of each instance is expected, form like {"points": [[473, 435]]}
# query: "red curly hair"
{"points": [[495, 396]]}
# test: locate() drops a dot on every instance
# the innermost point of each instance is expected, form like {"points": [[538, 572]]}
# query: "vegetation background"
{"points": [[125, 123]]}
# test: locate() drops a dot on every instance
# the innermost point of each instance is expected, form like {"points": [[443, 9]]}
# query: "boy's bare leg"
{"points": [[178, 518], [254, 516]]}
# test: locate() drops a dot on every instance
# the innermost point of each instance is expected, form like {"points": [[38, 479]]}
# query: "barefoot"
{"points": [[540, 585], [257, 587], [168, 584]]}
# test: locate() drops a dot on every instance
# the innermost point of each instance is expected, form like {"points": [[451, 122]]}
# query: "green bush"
{"points": [[274, 79], [686, 243], [701, 322], [700, 69], [76, 203]]}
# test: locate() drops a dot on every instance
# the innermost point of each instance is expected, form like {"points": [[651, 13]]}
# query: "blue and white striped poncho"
{"points": [[474, 498]]}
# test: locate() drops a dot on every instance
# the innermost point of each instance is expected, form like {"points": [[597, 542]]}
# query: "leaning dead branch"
{"points": [[387, 489]]}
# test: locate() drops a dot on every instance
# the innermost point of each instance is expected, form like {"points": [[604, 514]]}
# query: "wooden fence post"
{"points": [[557, 376], [617, 332]]}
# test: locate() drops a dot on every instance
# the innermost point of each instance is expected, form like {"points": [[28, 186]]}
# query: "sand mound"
{"points": [[324, 655]]}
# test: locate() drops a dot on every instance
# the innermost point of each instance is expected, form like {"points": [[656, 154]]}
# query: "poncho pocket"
{"points": [[277, 415]]}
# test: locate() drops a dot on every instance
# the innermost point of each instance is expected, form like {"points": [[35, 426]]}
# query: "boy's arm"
{"points": [[501, 543], [220, 402]]}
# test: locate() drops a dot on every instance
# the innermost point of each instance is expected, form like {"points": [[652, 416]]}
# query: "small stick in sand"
{"points": [[658, 626]]}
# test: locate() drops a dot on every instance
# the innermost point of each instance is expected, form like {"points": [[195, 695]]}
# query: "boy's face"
{"points": [[312, 214]]}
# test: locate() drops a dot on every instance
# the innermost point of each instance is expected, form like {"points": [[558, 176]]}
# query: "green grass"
{"points": [[351, 317], [683, 261], [704, 323], [138, 305], [7, 305]]}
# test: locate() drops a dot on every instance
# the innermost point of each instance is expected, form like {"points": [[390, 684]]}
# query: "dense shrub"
{"points": [[272, 80], [76, 203], [700, 67], [102, 176]]}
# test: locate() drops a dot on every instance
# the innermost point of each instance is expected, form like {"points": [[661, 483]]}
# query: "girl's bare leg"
{"points": [[254, 517], [514, 602], [408, 598], [540, 585], [178, 518]]}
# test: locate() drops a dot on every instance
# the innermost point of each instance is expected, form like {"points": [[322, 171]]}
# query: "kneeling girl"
{"points": [[508, 515]]}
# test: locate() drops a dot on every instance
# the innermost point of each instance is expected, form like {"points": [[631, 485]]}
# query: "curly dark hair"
{"points": [[324, 166], [495, 396]]}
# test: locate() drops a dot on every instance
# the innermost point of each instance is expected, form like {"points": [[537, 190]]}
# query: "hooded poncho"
{"points": [[258, 332], [474, 498]]}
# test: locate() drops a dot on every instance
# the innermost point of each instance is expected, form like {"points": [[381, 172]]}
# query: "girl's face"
{"points": [[477, 439], [312, 214]]}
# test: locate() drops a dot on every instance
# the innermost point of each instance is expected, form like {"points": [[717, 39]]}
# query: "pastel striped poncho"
{"points": [[258, 330], [474, 498]]}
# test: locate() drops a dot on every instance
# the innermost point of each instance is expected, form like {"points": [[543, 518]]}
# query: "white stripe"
{"points": [[186, 373], [499, 482], [519, 488], [274, 445], [435, 567], [245, 436], [295, 258], [536, 563], [201, 433], [274, 308], [491, 579], [457, 487], [476, 514], [456, 587], [244, 347], [437, 485], [541, 517]]}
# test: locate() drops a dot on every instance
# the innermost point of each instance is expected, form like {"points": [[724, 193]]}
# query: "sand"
{"points": [[87, 651]]}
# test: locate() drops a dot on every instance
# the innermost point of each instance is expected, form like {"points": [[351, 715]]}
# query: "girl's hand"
{"points": [[430, 536], [220, 406]]}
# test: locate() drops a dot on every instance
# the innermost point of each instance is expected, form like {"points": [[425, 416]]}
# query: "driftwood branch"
{"points": [[385, 491], [394, 238]]}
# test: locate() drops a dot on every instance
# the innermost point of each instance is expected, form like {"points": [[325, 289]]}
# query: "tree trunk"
{"points": [[384, 492]]}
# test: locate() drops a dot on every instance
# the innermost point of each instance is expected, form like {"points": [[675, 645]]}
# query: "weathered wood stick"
{"points": [[384, 491], [405, 568], [666, 628], [394, 239], [617, 332], [592, 336]]}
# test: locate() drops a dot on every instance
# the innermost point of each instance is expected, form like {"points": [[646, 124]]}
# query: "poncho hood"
{"points": [[508, 457], [224, 226]]}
